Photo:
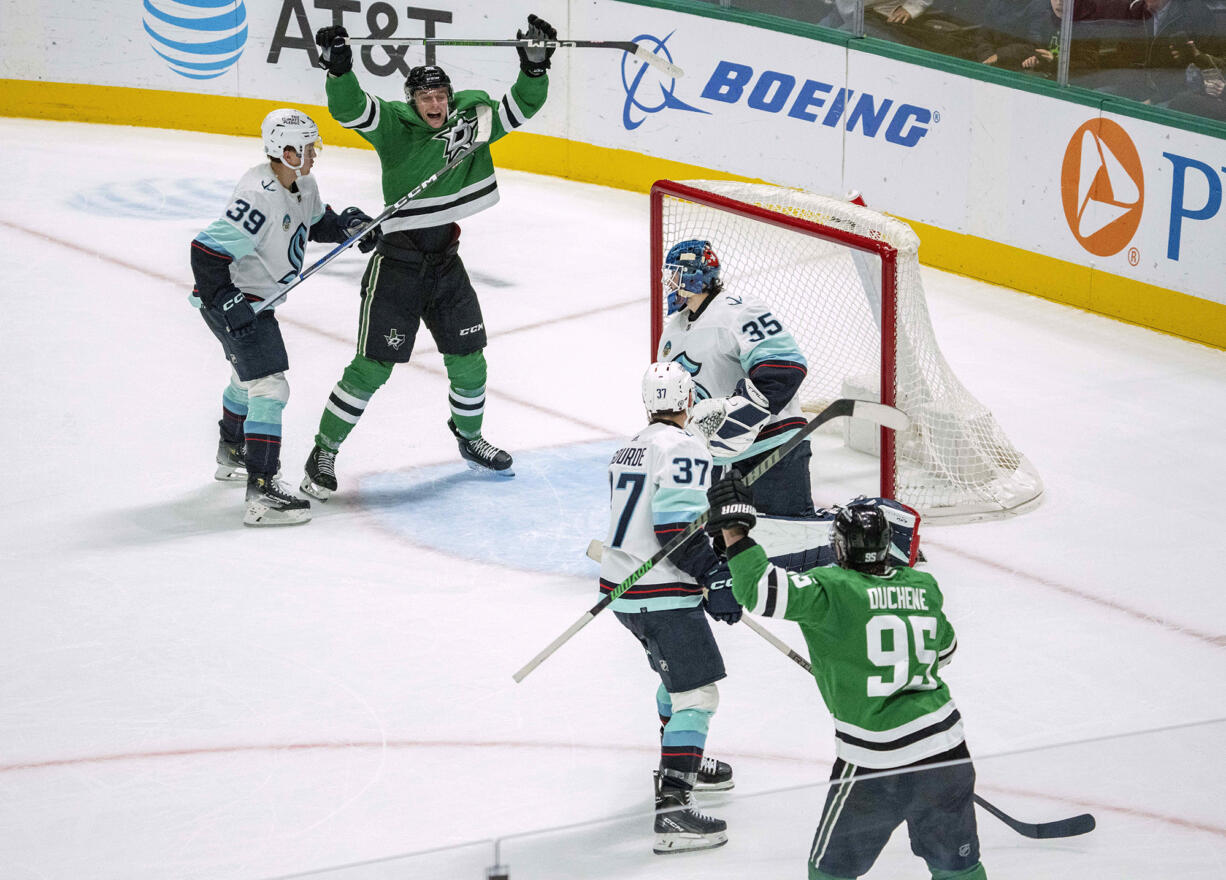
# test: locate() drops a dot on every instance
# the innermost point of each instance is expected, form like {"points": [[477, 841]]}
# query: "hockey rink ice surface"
{"points": [[184, 697]]}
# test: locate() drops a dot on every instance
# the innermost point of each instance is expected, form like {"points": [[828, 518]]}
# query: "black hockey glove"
{"points": [[722, 605], [534, 61], [335, 55], [233, 309], [352, 220], [731, 504]]}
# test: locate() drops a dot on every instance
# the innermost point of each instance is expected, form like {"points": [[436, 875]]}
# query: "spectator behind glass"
{"points": [[1176, 33], [894, 12], [1024, 35]]}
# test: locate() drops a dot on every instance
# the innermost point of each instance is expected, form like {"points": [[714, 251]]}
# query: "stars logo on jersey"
{"points": [[458, 138], [395, 339]]}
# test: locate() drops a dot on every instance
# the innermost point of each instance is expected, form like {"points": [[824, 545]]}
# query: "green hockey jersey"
{"points": [[875, 643], [410, 150]]}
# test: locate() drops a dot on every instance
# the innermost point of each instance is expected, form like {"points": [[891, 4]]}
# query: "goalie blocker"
{"points": [[731, 424]]}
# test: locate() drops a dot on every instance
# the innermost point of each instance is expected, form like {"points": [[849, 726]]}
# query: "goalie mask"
{"points": [[690, 267], [290, 128], [861, 536], [667, 388]]}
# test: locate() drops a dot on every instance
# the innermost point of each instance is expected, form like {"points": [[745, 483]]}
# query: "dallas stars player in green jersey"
{"points": [[416, 274], [877, 636]]}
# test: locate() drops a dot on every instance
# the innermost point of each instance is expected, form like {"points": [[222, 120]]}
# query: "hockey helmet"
{"points": [[426, 77], [668, 387], [861, 535], [289, 128], [690, 267]]}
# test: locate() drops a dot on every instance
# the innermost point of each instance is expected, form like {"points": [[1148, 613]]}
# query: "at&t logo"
{"points": [[1103, 187], [199, 39]]}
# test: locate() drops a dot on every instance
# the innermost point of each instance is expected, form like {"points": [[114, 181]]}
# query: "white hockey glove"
{"points": [[731, 424]]}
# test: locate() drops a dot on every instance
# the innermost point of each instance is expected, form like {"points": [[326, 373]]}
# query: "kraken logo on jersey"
{"points": [[295, 253], [692, 367], [459, 137]]}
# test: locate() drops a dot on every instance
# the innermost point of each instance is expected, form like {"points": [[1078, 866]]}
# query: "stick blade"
{"points": [[880, 414], [1070, 827], [662, 64], [595, 550]]}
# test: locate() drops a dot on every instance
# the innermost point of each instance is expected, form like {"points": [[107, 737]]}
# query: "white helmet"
{"points": [[289, 128], [668, 387]]}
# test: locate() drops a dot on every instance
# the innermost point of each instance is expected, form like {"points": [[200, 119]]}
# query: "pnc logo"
{"points": [[1102, 186]]}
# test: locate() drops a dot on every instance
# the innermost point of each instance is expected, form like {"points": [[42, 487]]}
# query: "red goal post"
{"points": [[845, 281]]}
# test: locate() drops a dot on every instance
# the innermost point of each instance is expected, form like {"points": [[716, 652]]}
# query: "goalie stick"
{"points": [[485, 129], [877, 413], [645, 55]]}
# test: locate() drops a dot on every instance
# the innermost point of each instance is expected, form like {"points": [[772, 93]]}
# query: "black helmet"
{"points": [[861, 536], [429, 76]]}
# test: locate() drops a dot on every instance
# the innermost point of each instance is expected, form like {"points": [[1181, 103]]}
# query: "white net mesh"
{"points": [[954, 463]]}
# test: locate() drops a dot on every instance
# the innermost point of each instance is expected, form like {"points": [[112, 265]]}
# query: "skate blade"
{"points": [[261, 515], [227, 474], [715, 786], [675, 843], [323, 493], [482, 469]]}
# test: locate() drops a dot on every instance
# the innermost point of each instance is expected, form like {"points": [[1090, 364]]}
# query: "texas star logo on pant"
{"points": [[395, 339]]}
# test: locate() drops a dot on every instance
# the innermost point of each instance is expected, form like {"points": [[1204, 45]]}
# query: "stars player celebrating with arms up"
{"points": [[416, 273], [242, 258], [657, 486], [747, 369], [877, 636]]}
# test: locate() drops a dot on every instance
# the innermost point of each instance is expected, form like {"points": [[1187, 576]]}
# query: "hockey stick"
{"points": [[481, 137], [595, 552], [634, 49], [877, 413], [1070, 827]]}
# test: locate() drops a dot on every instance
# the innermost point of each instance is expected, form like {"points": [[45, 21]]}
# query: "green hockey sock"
{"points": [[361, 379], [975, 873], [466, 396]]}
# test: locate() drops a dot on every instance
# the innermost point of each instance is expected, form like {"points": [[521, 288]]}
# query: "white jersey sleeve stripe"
{"points": [[368, 119], [772, 593], [510, 117]]}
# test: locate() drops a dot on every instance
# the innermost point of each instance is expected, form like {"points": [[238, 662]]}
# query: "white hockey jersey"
{"points": [[658, 478], [728, 339], [264, 228]]}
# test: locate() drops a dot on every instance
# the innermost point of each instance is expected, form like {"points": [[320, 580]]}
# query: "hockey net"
{"points": [[845, 281]]}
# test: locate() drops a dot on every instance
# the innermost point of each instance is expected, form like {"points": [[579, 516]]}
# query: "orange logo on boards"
{"points": [[1102, 186]]}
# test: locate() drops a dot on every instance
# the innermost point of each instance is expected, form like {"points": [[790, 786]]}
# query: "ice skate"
{"points": [[678, 826], [231, 467], [482, 455], [268, 504], [320, 479], [714, 775]]}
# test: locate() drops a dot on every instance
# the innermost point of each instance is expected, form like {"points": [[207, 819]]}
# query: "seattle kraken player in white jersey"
{"points": [[657, 486], [747, 369], [243, 258]]}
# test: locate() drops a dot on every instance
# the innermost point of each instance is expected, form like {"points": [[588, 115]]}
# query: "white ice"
{"points": [[183, 697]]}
